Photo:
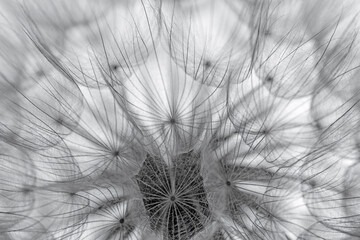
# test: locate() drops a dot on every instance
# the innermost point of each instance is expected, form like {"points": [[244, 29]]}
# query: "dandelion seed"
{"points": [[61, 199], [55, 164], [17, 177], [112, 46], [319, 231], [28, 229], [292, 67], [59, 14], [341, 21], [281, 20], [117, 221], [323, 189], [103, 139], [278, 129], [336, 116], [44, 120], [170, 108], [208, 51]]}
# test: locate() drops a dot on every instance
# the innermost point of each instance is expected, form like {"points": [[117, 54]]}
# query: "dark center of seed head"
{"points": [[121, 221], [318, 125], [60, 120], [114, 67], [265, 131], [312, 183], [40, 73], [228, 183], [172, 121], [207, 64], [193, 199], [26, 190], [269, 79], [267, 32]]}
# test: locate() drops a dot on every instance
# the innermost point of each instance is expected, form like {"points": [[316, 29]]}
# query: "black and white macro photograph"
{"points": [[179, 120]]}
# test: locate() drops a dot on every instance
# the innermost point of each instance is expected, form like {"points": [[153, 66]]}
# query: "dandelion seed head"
{"points": [[175, 120]]}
